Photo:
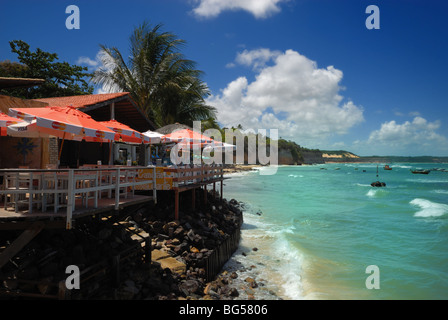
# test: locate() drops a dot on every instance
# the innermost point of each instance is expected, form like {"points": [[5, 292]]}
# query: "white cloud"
{"points": [[92, 64], [87, 61], [419, 132], [292, 95], [257, 59], [259, 8]]}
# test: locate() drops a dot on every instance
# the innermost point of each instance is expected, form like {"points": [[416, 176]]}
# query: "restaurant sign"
{"points": [[164, 180]]}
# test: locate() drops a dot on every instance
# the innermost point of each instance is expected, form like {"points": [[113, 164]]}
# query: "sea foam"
{"points": [[429, 208]]}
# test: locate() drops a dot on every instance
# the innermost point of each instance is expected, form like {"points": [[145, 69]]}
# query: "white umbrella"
{"points": [[154, 137], [26, 129], [219, 146]]}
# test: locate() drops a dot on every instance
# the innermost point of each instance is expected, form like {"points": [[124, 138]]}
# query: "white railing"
{"points": [[59, 188]]}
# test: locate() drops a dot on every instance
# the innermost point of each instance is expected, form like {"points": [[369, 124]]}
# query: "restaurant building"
{"points": [[39, 153]]}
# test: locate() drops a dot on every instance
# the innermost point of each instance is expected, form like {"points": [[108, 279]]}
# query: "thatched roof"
{"points": [[172, 127]]}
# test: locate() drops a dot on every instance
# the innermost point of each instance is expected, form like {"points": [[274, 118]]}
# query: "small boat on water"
{"points": [[386, 167], [420, 171], [378, 184]]}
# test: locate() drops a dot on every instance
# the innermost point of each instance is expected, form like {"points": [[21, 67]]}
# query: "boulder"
{"points": [[173, 264]]}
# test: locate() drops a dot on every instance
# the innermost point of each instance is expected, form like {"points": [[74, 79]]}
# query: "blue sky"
{"points": [[309, 68]]}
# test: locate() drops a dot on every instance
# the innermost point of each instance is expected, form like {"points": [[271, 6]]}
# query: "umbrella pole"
{"points": [[60, 150], [110, 152]]}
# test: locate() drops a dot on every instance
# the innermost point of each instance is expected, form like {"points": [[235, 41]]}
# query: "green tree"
{"points": [[61, 78], [165, 85]]}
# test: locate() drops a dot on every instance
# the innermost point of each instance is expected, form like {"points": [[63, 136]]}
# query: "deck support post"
{"points": [[176, 205]]}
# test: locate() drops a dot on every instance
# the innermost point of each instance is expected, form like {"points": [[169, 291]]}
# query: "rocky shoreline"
{"points": [[179, 253]]}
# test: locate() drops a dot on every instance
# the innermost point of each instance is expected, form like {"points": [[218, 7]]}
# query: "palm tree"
{"points": [[165, 85]]}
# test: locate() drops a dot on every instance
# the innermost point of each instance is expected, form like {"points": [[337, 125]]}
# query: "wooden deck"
{"points": [[66, 194], [30, 192], [9, 219]]}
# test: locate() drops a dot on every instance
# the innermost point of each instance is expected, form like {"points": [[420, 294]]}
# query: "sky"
{"points": [[312, 69]]}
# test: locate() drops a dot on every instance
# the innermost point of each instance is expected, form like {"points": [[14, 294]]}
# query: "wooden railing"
{"points": [[59, 188], [183, 178]]}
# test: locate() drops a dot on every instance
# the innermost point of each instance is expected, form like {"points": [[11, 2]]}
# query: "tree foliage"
{"points": [[61, 78], [165, 85]]}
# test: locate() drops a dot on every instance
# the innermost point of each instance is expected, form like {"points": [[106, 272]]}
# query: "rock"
{"points": [[189, 287], [173, 264], [159, 254], [172, 224], [252, 282], [178, 232], [211, 288], [191, 235], [233, 292], [255, 249]]}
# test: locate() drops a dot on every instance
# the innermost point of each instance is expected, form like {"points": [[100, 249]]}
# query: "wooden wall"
{"points": [[15, 152]]}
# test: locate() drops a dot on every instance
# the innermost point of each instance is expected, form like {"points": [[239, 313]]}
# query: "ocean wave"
{"points": [[372, 193], [295, 176], [290, 269], [363, 185], [441, 191], [376, 192], [422, 180], [429, 208]]}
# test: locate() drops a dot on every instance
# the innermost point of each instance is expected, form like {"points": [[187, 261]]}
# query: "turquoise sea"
{"points": [[317, 229]]}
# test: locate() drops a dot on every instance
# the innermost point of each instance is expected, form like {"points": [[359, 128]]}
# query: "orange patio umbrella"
{"points": [[66, 123], [125, 133], [186, 136]]}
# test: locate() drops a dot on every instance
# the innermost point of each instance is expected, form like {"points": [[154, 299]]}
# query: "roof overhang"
{"points": [[13, 83], [99, 107]]}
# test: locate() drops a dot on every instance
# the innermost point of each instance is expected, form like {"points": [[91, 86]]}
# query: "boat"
{"points": [[420, 171], [378, 184], [386, 167]]}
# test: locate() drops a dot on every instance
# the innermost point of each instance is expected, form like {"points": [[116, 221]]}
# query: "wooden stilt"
{"points": [[176, 205]]}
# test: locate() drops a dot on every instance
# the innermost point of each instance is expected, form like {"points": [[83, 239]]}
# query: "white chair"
{"points": [[26, 183], [54, 181], [87, 180]]}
